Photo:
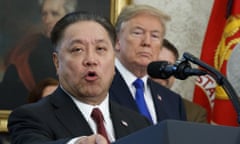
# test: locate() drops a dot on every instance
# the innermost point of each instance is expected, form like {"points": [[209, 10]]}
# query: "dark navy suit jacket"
{"points": [[56, 119], [168, 104]]}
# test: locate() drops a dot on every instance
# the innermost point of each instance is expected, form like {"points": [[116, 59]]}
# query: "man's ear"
{"points": [[55, 60], [117, 45]]}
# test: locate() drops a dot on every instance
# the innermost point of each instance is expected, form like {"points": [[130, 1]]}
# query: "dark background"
{"points": [[20, 17]]}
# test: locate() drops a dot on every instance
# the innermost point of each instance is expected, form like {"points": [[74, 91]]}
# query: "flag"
{"points": [[221, 38]]}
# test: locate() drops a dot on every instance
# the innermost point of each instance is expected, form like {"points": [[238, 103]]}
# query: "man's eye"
{"points": [[137, 33], [74, 50], [101, 49], [55, 13], [155, 36]]}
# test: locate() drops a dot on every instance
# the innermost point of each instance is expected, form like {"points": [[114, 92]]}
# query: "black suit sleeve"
{"points": [[26, 127]]}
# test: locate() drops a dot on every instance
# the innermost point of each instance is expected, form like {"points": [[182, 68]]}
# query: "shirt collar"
{"points": [[86, 109], [128, 77]]}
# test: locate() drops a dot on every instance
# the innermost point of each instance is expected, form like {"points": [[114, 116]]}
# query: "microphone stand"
{"points": [[220, 79]]}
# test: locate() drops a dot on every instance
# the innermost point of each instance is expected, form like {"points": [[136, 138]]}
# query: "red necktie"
{"points": [[98, 118]]}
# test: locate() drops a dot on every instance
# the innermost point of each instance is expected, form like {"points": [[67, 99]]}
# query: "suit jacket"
{"points": [[195, 113], [1, 142], [168, 105], [56, 119]]}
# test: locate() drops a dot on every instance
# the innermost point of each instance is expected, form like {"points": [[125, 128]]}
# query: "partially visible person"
{"points": [[1, 141], [194, 112], [43, 89], [140, 32], [84, 59], [31, 60], [169, 53], [53, 10]]}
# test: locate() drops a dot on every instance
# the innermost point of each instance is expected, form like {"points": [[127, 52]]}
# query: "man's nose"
{"points": [[90, 59], [146, 40]]}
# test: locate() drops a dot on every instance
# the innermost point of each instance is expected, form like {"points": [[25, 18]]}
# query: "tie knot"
{"points": [[97, 115], [138, 83]]}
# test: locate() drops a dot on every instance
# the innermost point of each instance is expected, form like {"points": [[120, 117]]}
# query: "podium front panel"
{"points": [[180, 132]]}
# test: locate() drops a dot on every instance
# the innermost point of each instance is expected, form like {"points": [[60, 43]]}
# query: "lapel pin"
{"points": [[159, 97], [124, 123]]}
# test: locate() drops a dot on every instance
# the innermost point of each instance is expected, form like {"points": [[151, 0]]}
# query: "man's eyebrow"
{"points": [[100, 41], [142, 28], [138, 27], [76, 41]]}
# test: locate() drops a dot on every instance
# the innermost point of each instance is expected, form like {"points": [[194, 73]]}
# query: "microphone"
{"points": [[184, 70], [180, 70], [160, 69]]}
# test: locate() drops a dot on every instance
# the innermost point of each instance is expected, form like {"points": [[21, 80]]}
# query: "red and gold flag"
{"points": [[221, 39]]}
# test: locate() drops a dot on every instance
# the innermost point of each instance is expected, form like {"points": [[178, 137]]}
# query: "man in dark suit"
{"points": [[79, 110], [194, 112], [140, 31]]}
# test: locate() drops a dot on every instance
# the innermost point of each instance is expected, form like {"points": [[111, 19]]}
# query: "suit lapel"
{"points": [[69, 115], [120, 124], [120, 92], [157, 95]]}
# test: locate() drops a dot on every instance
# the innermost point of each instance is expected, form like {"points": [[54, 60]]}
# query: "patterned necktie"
{"points": [[140, 101], [98, 118]]}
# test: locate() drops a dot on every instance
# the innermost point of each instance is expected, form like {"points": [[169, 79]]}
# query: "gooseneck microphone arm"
{"points": [[220, 79], [213, 72]]}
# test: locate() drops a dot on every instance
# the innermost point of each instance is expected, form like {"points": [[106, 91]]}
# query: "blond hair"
{"points": [[131, 11]]}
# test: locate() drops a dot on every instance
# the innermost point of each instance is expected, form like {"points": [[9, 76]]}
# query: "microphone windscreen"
{"points": [[156, 69]]}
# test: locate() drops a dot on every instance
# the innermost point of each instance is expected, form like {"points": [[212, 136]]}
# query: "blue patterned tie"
{"points": [[140, 101]]}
